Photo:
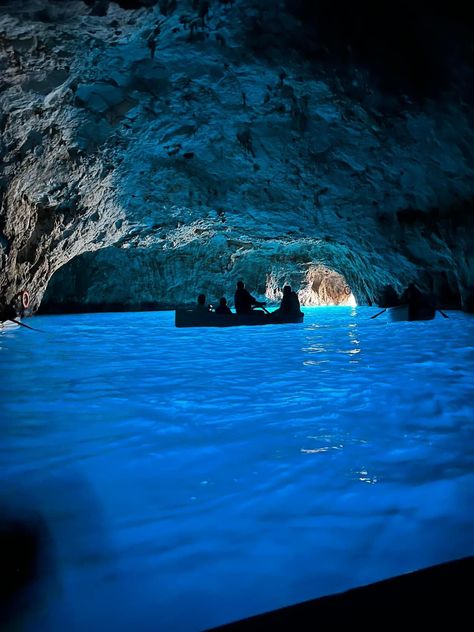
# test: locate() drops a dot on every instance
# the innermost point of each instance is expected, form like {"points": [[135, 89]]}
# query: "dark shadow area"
{"points": [[27, 561], [129, 5], [92, 308], [459, 214], [47, 525], [408, 48], [438, 288], [435, 595]]}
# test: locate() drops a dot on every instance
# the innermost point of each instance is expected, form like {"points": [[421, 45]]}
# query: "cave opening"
{"points": [[326, 286], [132, 280]]}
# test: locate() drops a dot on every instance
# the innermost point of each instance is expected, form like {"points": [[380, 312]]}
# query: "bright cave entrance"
{"points": [[325, 286]]}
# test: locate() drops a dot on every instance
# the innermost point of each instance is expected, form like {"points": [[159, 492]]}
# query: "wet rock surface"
{"points": [[151, 151]]}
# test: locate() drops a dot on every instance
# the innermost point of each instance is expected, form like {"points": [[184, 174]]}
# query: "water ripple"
{"points": [[247, 467]]}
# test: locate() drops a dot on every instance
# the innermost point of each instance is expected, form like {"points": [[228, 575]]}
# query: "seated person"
{"points": [[223, 308], [414, 298], [243, 300], [388, 297], [8, 312], [201, 307], [290, 303]]}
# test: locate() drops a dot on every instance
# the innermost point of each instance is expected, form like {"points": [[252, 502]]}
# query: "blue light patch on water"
{"points": [[192, 477]]}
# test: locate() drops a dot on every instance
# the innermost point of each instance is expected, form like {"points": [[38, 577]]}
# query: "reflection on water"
{"points": [[192, 477], [319, 342]]}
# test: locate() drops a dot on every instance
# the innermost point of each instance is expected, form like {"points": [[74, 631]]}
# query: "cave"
{"points": [[174, 461], [320, 149], [327, 287], [118, 279]]}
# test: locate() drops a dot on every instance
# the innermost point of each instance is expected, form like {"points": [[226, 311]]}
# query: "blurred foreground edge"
{"points": [[437, 594]]}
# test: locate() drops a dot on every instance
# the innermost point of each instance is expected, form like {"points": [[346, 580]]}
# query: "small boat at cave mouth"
{"points": [[7, 325], [191, 318], [410, 313]]}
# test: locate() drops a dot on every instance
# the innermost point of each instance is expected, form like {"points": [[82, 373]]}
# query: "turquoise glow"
{"points": [[192, 477]]}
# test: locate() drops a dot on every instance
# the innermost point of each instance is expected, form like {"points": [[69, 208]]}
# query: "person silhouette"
{"points": [[414, 298], [412, 295], [290, 303], [8, 312], [244, 301], [389, 297], [223, 308], [201, 307]]}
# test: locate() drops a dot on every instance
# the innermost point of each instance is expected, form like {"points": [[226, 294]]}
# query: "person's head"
{"points": [[240, 285], [201, 299], [223, 301], [287, 290]]}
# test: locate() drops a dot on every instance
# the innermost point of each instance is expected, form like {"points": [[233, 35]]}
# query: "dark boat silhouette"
{"points": [[407, 312], [191, 318]]}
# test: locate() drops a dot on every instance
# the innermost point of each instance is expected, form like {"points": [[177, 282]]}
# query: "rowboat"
{"points": [[7, 325], [191, 318], [405, 312]]}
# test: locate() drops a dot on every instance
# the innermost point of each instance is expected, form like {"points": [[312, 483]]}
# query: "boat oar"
{"points": [[23, 325], [442, 313], [263, 307], [375, 316]]}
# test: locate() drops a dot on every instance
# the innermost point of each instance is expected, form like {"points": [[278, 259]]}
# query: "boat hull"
{"points": [[189, 318], [6, 325], [403, 312]]}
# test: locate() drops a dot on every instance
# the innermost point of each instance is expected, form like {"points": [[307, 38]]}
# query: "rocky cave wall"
{"points": [[150, 149]]}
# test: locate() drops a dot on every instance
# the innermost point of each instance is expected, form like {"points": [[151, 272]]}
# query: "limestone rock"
{"points": [[147, 174]]}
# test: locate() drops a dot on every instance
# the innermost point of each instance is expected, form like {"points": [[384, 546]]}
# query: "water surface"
{"points": [[192, 477]]}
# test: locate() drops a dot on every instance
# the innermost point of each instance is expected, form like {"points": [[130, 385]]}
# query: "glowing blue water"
{"points": [[192, 477]]}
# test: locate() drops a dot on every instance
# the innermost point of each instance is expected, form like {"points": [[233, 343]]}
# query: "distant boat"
{"points": [[8, 324], [191, 318], [405, 312]]}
